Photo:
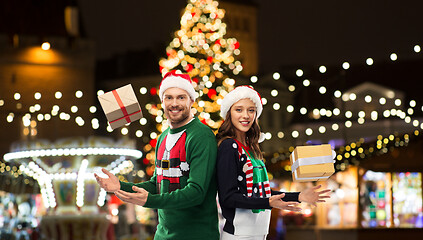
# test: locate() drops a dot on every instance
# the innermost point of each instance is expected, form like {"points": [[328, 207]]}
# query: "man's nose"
{"points": [[174, 102]]}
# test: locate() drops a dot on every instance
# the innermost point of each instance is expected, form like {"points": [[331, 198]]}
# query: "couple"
{"points": [[190, 169]]}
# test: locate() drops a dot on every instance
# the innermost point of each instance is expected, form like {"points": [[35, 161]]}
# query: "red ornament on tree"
{"points": [[153, 91], [211, 93], [188, 67], [153, 142]]}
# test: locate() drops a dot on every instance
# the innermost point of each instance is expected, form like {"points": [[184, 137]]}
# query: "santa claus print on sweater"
{"points": [[171, 162]]}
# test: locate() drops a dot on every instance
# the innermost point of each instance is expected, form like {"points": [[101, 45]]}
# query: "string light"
{"points": [[393, 57], [345, 65], [322, 69], [369, 61], [71, 152], [299, 72]]}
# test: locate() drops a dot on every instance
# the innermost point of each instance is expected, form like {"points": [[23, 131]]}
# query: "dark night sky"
{"points": [[291, 34], [297, 32]]}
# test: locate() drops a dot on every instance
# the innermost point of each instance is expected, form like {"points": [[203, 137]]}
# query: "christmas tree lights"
{"points": [[200, 49]]}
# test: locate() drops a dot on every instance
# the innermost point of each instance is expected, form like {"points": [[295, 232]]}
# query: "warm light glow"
{"points": [[78, 94], [412, 103], [93, 109], [309, 131], [382, 100], [322, 69], [58, 95], [45, 46], [394, 57], [74, 109], [299, 72], [143, 90], [37, 96], [345, 65], [290, 108], [306, 82], [17, 96], [335, 127], [368, 98], [276, 76], [73, 152]]}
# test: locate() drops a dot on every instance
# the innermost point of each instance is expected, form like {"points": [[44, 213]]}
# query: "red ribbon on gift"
{"points": [[122, 107], [126, 117]]}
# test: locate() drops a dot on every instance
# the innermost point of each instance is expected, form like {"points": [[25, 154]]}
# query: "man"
{"points": [[183, 187]]}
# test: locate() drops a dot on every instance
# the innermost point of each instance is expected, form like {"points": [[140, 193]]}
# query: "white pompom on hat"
{"points": [[173, 79], [238, 93]]}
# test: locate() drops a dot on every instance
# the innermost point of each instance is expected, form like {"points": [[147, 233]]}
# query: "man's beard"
{"points": [[176, 120]]}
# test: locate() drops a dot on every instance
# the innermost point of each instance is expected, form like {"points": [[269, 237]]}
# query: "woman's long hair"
{"points": [[227, 130]]}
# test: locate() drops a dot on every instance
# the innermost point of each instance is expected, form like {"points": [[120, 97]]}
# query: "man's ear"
{"points": [[191, 102]]}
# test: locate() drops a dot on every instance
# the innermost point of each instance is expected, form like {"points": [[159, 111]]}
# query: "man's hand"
{"points": [[311, 196], [139, 197], [276, 201], [110, 184]]}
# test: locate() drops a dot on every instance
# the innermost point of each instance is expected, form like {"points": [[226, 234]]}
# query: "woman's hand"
{"points": [[310, 195], [110, 184], [276, 201]]}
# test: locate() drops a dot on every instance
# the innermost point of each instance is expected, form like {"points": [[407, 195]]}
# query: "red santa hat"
{"points": [[173, 79], [237, 94]]}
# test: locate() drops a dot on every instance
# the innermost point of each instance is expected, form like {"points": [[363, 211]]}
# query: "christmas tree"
{"points": [[200, 49]]}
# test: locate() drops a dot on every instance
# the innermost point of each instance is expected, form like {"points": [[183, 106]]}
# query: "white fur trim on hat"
{"points": [[178, 82], [237, 94]]}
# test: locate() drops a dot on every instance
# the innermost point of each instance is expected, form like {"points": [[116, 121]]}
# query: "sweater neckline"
{"points": [[242, 145], [176, 130]]}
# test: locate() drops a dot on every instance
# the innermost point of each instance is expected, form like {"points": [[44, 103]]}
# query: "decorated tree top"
{"points": [[200, 49]]}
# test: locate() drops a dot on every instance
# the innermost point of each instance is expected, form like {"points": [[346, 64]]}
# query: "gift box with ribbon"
{"points": [[312, 163], [120, 106]]}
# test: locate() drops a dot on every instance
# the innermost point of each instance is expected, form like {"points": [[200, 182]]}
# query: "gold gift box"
{"points": [[312, 163]]}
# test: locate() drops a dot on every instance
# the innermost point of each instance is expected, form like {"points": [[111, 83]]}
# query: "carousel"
{"points": [[64, 170]]}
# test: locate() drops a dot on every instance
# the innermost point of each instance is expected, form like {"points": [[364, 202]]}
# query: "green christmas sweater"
{"points": [[184, 186]]}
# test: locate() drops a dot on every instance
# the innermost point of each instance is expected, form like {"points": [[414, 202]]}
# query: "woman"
{"points": [[243, 186]]}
